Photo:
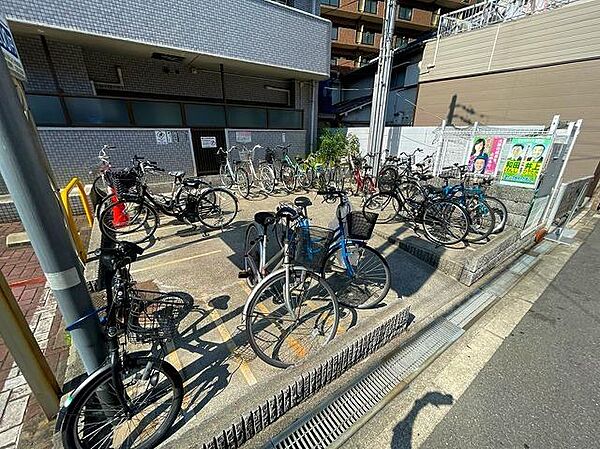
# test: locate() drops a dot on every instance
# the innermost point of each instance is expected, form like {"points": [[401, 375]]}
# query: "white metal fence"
{"points": [[489, 12]]}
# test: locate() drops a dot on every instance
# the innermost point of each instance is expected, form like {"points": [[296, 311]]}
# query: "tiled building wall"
{"points": [[270, 138], [234, 29]]}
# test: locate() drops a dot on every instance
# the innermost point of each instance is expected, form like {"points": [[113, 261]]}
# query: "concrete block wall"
{"points": [[256, 31]]}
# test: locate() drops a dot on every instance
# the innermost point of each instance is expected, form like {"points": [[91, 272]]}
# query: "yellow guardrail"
{"points": [[64, 197]]}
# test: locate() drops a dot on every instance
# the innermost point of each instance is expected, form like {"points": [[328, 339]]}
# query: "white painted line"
{"points": [[171, 262]]}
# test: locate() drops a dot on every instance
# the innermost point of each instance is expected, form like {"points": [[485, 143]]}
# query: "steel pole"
{"points": [[43, 220]]}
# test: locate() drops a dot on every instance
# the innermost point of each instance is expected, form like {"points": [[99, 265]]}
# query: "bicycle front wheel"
{"points": [[482, 220], [217, 208], [288, 178], [128, 221], [225, 176], [282, 336], [445, 222], [500, 212], [386, 204], [243, 182], [153, 390], [359, 275], [266, 178]]}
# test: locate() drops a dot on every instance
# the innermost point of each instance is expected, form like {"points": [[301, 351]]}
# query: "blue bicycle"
{"points": [[359, 274]]}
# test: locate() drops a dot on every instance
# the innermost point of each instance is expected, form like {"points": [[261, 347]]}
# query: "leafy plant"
{"points": [[334, 145]]}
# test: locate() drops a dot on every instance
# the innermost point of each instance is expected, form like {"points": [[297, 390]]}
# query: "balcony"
{"points": [[366, 11], [415, 19], [237, 35], [353, 40]]}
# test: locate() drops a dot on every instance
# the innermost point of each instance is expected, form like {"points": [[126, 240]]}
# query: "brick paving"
{"points": [[22, 422]]}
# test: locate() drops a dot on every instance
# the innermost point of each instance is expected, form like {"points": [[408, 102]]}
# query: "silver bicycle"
{"points": [[292, 312], [232, 174], [263, 175]]}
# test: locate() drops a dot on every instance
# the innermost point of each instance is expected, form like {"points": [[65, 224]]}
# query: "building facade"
{"points": [[357, 24], [529, 65], [172, 81]]}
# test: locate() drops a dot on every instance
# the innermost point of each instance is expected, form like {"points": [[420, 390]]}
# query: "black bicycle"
{"points": [[133, 400], [132, 213]]}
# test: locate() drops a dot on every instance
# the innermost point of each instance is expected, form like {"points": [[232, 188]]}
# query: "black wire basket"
{"points": [[155, 316], [361, 225], [312, 246], [123, 181]]}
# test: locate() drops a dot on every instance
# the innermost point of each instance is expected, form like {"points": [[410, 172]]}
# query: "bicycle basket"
{"points": [[361, 225], [123, 181], [312, 245], [451, 173], [155, 315], [246, 154]]}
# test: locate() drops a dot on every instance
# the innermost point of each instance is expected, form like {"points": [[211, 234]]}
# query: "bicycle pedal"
{"points": [[243, 275]]}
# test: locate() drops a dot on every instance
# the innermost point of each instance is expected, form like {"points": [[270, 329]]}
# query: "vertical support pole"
{"points": [[40, 211], [381, 84], [27, 354]]}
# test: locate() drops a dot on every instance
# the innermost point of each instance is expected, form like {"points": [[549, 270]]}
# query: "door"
{"points": [[206, 142]]}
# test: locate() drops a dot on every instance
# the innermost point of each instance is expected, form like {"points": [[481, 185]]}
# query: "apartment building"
{"points": [[172, 81], [356, 29]]}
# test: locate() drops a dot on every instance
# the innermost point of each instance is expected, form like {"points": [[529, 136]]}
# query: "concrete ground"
{"points": [[212, 353], [523, 376]]}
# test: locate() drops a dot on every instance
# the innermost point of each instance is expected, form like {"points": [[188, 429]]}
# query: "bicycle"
{"points": [[229, 176], [136, 210], [134, 399], [290, 171], [362, 182], [444, 221], [291, 312], [264, 176]]}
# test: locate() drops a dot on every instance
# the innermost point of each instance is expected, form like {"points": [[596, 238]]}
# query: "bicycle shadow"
{"points": [[403, 432]]}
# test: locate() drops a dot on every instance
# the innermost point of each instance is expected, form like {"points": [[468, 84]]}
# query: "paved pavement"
{"points": [[542, 387]]}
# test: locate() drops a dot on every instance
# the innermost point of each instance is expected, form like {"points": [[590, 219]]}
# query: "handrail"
{"points": [[64, 197]]}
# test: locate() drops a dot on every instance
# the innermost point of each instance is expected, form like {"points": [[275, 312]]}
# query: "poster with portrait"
{"points": [[484, 154], [525, 160]]}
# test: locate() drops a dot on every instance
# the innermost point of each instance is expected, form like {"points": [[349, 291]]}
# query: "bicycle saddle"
{"points": [[123, 254], [302, 201], [177, 174], [264, 218]]}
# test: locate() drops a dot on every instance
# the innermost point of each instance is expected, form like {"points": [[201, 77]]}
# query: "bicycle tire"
{"points": [[387, 178], [288, 177], [482, 220], [303, 180], [368, 187], [413, 197], [138, 214], [266, 178], [226, 177], [89, 393], [289, 350], [99, 189], [220, 205], [242, 181], [252, 234], [354, 291], [438, 212], [500, 212], [386, 204]]}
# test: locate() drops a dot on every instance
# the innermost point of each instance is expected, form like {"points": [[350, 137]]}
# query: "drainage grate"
{"points": [[320, 429], [471, 308]]}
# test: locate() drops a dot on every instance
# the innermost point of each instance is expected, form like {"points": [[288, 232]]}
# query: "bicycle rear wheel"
{"points": [[217, 208], [360, 275], [266, 178], [386, 204], [387, 178], [225, 176], [288, 177], [482, 220], [252, 254], [500, 212], [445, 222], [276, 336], [96, 419], [128, 221]]}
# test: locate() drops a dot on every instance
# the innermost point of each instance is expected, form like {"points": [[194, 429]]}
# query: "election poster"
{"points": [[525, 160]]}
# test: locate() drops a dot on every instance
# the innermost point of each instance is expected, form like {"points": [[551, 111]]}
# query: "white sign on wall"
{"points": [[243, 136], [163, 137], [9, 48], [208, 142]]}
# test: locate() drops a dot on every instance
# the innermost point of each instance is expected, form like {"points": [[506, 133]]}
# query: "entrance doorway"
{"points": [[206, 142]]}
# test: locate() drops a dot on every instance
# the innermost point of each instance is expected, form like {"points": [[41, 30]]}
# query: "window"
{"points": [[334, 33], [405, 13], [205, 115], [97, 111], [282, 119], [368, 38], [245, 117], [334, 3], [46, 110], [402, 41], [334, 60], [154, 113], [370, 6]]}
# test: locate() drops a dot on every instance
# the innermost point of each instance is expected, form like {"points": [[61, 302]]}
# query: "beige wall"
{"points": [[530, 97], [521, 72]]}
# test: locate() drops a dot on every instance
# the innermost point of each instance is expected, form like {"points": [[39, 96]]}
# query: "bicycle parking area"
{"points": [[211, 352]]}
